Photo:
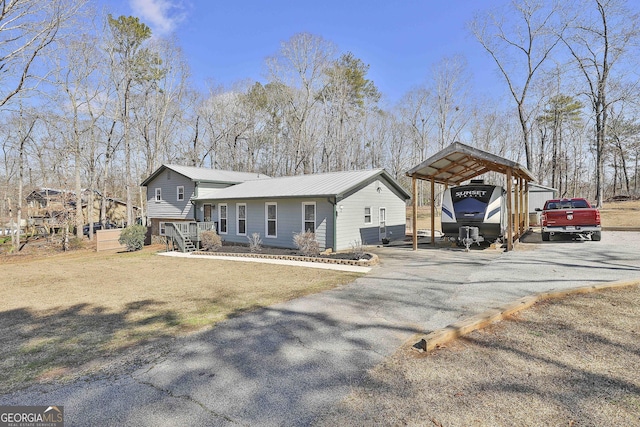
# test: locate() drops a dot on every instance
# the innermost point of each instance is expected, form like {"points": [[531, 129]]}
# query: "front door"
{"points": [[382, 223], [207, 213]]}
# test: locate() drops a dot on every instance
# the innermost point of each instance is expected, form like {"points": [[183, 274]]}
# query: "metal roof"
{"points": [[206, 175], [314, 185], [459, 162], [540, 188]]}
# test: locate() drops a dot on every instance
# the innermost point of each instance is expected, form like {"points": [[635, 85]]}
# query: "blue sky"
{"points": [[228, 41]]}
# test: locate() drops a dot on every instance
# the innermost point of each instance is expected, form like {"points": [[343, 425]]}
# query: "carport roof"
{"points": [[459, 162]]}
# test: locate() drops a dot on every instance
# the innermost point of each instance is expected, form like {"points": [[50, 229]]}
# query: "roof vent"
{"points": [[477, 181]]}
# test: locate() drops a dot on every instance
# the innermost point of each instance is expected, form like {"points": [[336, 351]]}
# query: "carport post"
{"points": [[523, 210], [516, 198], [526, 203], [433, 211], [509, 211], [414, 226]]}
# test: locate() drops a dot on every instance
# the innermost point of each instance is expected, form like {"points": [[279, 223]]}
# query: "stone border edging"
{"points": [[360, 263], [463, 327]]}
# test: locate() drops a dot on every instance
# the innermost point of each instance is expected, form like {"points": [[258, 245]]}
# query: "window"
{"points": [[367, 215], [180, 191], [241, 219], [158, 194], [163, 229], [271, 214], [222, 218], [309, 217]]}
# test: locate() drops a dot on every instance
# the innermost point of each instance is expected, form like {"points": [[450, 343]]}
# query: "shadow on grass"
{"points": [[38, 345]]}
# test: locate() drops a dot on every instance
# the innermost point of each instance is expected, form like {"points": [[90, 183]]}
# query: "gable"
{"points": [[197, 174]]}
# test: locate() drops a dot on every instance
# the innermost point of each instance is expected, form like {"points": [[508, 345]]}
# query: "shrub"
{"points": [[255, 242], [306, 243], [133, 237], [210, 240], [357, 248], [75, 243]]}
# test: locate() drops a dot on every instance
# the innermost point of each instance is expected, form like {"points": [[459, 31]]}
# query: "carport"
{"points": [[458, 163]]}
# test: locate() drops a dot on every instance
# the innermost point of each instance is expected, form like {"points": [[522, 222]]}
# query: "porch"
{"points": [[185, 236]]}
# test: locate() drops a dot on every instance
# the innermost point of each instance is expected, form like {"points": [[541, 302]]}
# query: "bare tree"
{"points": [[520, 50], [417, 110], [81, 90], [622, 134], [26, 125], [450, 80], [346, 98], [27, 28], [301, 66], [598, 39]]}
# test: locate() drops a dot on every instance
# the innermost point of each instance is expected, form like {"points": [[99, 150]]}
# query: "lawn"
{"points": [[67, 314], [621, 214]]}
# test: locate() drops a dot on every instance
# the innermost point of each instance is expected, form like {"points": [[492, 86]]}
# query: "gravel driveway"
{"points": [[289, 363]]}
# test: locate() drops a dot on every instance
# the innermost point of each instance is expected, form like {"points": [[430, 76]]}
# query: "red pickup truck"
{"points": [[570, 216]]}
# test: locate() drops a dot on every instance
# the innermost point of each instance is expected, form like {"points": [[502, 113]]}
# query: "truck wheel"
{"points": [[596, 236], [545, 236]]}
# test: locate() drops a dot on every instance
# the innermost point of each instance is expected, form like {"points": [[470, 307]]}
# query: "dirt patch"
{"points": [[569, 362]]}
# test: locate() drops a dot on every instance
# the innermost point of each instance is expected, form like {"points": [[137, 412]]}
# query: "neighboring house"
{"points": [[48, 207], [341, 208], [171, 190], [51, 208], [115, 210]]}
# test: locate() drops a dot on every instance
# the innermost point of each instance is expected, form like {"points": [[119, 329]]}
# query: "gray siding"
{"points": [[170, 207], [351, 226], [289, 221]]}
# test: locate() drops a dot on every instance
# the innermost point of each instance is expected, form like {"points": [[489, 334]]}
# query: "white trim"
{"points": [[315, 216], [178, 194], [368, 215], [382, 224], [158, 196], [226, 218], [266, 220], [238, 233]]}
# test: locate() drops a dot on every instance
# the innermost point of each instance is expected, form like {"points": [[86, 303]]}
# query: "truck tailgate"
{"points": [[571, 217]]}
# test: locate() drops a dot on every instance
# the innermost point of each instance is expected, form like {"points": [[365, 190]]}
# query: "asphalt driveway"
{"points": [[288, 363]]}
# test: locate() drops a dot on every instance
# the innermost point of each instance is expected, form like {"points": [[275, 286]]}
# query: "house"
{"points": [[44, 205], [341, 208], [115, 210], [171, 190], [51, 208]]}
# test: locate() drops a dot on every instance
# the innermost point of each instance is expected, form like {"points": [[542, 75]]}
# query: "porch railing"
{"points": [[180, 233]]}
